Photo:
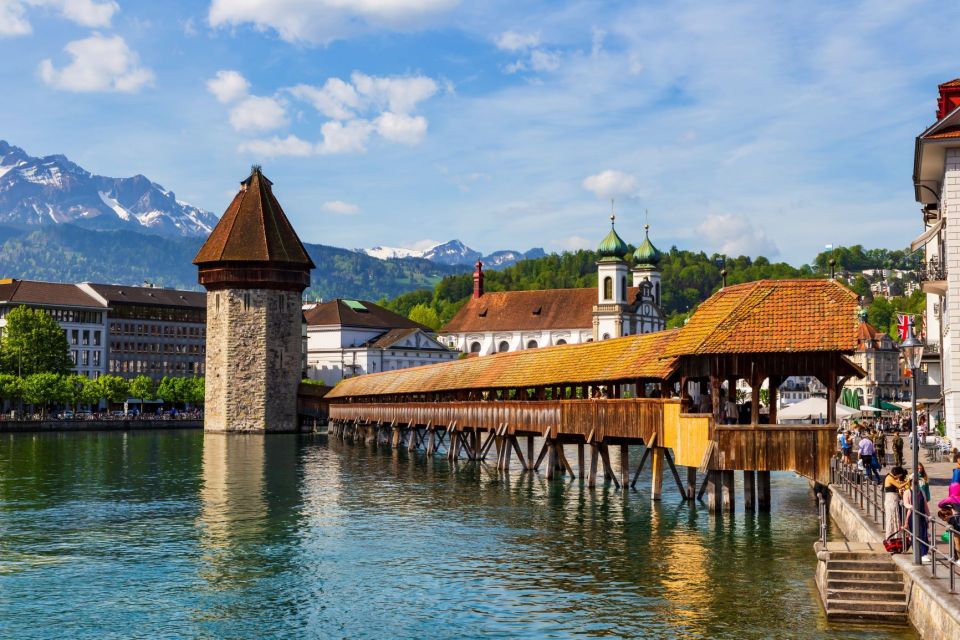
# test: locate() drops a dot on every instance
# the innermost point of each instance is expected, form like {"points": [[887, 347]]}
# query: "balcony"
{"points": [[933, 276]]}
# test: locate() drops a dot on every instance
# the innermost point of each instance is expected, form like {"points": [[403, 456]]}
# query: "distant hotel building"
{"points": [[82, 317], [346, 338], [125, 331]]}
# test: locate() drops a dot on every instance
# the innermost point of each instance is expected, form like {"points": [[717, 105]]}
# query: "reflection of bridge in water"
{"points": [[499, 405]]}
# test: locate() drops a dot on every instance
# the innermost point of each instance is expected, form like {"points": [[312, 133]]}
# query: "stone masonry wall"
{"points": [[253, 360]]}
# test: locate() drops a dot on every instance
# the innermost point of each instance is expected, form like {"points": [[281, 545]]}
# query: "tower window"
{"points": [[608, 288], [246, 302], [623, 288], [503, 347]]}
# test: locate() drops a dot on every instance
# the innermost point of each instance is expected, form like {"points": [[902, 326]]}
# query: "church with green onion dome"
{"points": [[621, 309]]}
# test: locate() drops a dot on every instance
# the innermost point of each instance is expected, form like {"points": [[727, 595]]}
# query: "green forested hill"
{"points": [[67, 253], [688, 278]]}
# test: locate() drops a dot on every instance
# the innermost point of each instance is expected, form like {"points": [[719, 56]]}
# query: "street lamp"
{"points": [[912, 349]]}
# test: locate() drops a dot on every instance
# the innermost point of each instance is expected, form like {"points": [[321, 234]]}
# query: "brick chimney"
{"points": [[478, 280], [949, 98]]}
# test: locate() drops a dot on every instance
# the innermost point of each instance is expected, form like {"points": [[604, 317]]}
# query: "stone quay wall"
{"points": [[33, 426], [253, 360], [933, 610]]}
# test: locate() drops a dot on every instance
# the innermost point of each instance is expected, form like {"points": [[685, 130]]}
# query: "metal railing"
{"points": [[869, 496], [822, 511], [931, 271]]}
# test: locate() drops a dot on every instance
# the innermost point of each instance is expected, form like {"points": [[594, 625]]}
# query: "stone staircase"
{"points": [[859, 582]]}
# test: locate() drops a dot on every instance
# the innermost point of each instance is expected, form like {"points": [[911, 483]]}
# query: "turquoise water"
{"points": [[180, 535]]}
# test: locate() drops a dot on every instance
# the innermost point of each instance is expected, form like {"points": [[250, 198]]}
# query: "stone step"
{"points": [[862, 565], [858, 555], [858, 593], [864, 576], [860, 585], [871, 606], [869, 616]]}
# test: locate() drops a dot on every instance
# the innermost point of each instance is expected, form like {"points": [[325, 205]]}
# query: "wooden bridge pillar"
{"points": [[580, 461], [691, 489], [656, 461], [749, 491], [714, 501], [531, 461], [729, 495], [763, 491], [594, 462], [624, 465]]}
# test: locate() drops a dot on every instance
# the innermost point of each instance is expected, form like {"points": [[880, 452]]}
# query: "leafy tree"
{"points": [[75, 386], [196, 390], [425, 315], [113, 388], [142, 387], [92, 392], [32, 343], [41, 389]]}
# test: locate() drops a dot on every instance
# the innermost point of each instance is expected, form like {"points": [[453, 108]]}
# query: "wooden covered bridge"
{"points": [[664, 390]]}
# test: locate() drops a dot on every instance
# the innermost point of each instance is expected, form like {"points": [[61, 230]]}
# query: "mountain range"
{"points": [[456, 253], [62, 223]]}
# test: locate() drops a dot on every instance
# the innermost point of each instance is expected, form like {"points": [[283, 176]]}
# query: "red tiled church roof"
{"points": [[339, 313], [254, 228], [528, 310]]}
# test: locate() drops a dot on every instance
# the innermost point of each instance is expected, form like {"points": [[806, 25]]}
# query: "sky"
{"points": [[742, 127]]}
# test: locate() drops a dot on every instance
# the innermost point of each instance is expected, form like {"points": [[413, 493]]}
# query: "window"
{"points": [[246, 302], [561, 341], [606, 336], [532, 344], [474, 347], [86, 337], [96, 338], [623, 288], [74, 336], [85, 358], [608, 288], [503, 347]]}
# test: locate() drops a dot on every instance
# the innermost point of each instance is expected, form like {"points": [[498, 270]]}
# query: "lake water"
{"points": [[175, 534]]}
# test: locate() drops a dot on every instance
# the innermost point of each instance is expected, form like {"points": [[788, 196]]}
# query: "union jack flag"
{"points": [[903, 325]]}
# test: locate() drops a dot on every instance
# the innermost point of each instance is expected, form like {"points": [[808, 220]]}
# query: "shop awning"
{"points": [[924, 237]]}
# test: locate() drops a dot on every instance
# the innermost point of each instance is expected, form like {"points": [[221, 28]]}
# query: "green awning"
{"points": [[883, 405], [849, 398]]}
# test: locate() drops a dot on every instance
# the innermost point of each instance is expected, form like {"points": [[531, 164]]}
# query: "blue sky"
{"points": [[742, 126]]}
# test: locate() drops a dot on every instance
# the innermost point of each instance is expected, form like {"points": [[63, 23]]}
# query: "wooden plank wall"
{"points": [[804, 448]]}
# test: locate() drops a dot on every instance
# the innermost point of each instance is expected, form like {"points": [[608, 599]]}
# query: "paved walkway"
{"points": [[939, 473]]}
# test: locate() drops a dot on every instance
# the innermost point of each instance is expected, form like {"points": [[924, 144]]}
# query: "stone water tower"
{"points": [[255, 269]]}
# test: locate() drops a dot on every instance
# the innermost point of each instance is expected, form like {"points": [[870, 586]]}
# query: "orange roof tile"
{"points": [[769, 316], [627, 358], [523, 310], [254, 228]]}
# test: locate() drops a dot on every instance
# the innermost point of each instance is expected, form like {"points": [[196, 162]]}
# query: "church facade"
{"points": [[501, 321]]}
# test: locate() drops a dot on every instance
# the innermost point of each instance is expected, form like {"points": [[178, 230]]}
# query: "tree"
{"points": [[32, 343], [40, 389], [142, 387], [175, 390], [113, 388], [75, 385], [425, 315], [92, 392], [195, 390], [11, 387]]}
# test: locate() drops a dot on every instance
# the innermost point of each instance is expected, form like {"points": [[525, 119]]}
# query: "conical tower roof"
{"points": [[254, 244], [646, 254], [254, 228], [612, 246]]}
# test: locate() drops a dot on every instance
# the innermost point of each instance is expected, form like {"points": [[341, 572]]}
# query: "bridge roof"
{"points": [[628, 358], [772, 316]]}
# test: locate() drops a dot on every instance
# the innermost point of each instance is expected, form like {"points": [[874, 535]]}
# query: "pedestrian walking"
{"points": [[881, 446], [867, 451], [893, 485], [897, 450]]}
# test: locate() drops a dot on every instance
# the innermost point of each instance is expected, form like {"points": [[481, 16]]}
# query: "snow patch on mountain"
{"points": [[455, 253], [54, 190]]}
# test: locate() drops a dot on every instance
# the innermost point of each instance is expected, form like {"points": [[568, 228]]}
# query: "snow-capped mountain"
{"points": [[54, 190], [455, 253]]}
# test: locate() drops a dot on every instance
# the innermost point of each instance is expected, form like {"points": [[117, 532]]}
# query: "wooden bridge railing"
{"points": [[803, 448]]}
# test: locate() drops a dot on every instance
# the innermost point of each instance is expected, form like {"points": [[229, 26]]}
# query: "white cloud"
{"points": [[322, 21], [610, 184], [399, 94], [258, 113], [13, 19], [425, 244], [514, 41], [86, 13], [401, 128], [735, 235], [573, 243], [275, 146], [340, 137], [542, 60], [228, 86], [99, 64], [336, 99], [340, 207]]}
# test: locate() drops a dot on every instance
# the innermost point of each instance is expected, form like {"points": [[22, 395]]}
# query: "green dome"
{"points": [[646, 253], [613, 245]]}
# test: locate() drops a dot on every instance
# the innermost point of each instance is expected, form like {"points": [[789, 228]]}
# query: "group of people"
{"points": [[871, 448]]}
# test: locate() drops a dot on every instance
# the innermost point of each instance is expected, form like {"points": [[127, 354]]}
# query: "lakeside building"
{"points": [[501, 321], [81, 316], [346, 338], [153, 331], [879, 356], [936, 180]]}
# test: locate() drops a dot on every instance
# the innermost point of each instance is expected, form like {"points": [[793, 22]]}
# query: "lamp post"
{"points": [[912, 349]]}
